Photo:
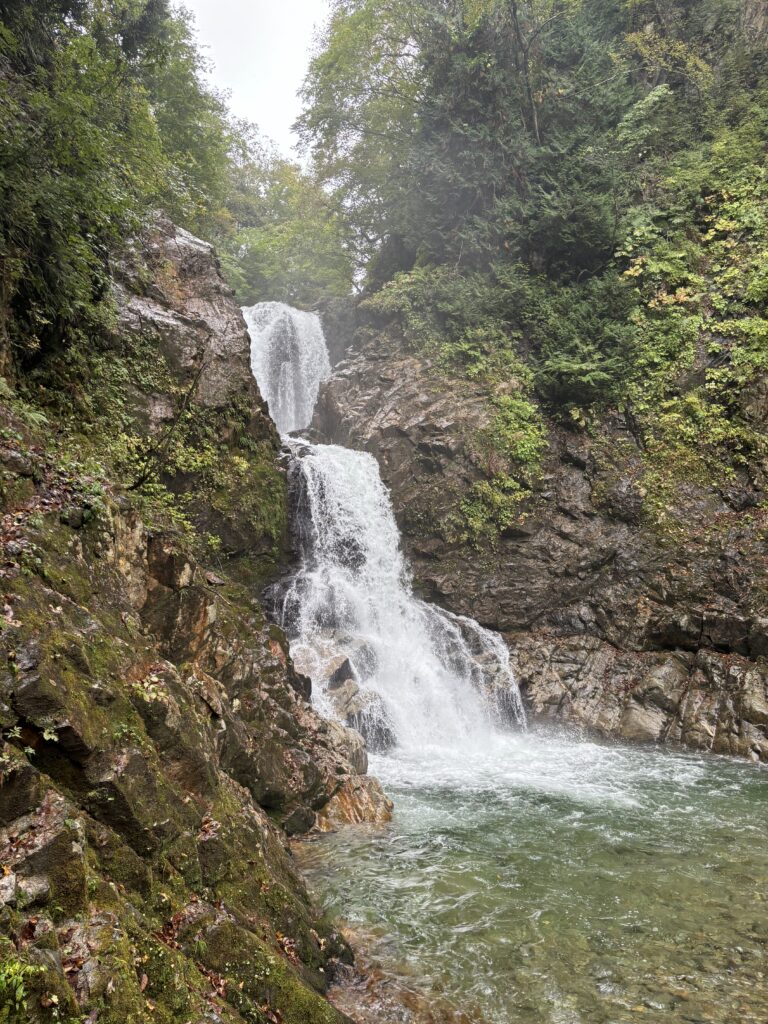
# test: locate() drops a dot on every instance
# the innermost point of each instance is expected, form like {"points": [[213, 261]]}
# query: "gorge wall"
{"points": [[614, 621], [157, 744]]}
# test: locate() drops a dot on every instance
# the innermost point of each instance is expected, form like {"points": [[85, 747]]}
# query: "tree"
{"points": [[290, 243]]}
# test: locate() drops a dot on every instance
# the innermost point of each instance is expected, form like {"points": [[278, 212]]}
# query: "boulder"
{"points": [[352, 744], [359, 800]]}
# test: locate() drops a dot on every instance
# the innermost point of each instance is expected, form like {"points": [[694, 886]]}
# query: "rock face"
{"points": [[156, 743], [173, 292], [361, 799], [192, 389], [156, 738], [614, 622]]}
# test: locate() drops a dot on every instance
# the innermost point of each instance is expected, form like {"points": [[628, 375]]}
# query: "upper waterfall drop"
{"points": [[402, 671], [289, 359]]}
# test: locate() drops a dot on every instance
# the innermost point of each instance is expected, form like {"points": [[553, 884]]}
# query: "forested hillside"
{"points": [[566, 201], [106, 115], [563, 199]]}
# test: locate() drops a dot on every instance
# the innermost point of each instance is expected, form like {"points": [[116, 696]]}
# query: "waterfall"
{"points": [[399, 669], [289, 359]]}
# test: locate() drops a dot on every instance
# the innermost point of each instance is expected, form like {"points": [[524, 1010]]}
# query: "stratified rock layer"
{"points": [[613, 623], [166, 737]]}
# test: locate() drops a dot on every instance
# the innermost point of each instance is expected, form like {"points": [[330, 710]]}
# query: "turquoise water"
{"points": [[544, 880]]}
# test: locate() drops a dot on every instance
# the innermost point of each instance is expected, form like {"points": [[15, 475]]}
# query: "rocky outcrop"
{"points": [[701, 699], [157, 746], [754, 17], [360, 800], [171, 292], [634, 625], [190, 388], [155, 737]]}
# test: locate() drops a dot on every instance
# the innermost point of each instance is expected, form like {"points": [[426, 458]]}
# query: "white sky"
{"points": [[260, 49]]}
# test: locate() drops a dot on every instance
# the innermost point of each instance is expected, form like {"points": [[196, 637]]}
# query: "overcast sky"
{"points": [[260, 49]]}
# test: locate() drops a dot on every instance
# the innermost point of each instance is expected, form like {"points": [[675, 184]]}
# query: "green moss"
{"points": [[260, 978], [30, 991], [172, 987], [117, 862], [459, 321], [210, 474]]}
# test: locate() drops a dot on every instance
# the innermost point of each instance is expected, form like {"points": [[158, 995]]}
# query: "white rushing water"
{"points": [[418, 676], [289, 359]]}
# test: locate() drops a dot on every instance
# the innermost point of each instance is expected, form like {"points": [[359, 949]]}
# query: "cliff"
{"points": [[157, 744], [633, 606]]}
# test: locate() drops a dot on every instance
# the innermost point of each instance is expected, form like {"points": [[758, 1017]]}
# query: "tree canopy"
{"points": [[105, 115], [570, 193], [564, 198]]}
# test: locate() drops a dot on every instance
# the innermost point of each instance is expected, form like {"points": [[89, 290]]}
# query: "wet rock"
{"points": [[591, 591], [302, 684], [344, 673], [360, 799], [346, 698], [373, 723], [642, 724], [190, 318], [704, 700], [190, 311], [16, 462], [300, 820], [22, 785], [8, 889], [364, 712], [74, 517], [151, 716], [352, 744], [167, 563]]}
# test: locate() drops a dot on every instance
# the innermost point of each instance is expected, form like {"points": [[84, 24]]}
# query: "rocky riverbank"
{"points": [[158, 744]]}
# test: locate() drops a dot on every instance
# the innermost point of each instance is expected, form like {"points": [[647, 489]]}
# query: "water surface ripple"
{"points": [[547, 880]]}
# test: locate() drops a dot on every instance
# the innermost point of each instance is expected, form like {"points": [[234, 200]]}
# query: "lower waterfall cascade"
{"points": [[426, 677]]}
